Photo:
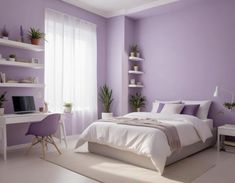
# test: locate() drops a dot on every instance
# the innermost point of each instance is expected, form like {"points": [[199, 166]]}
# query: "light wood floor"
{"points": [[27, 169]]}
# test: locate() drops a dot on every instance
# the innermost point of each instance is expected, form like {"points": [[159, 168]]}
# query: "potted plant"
{"points": [[35, 35], [229, 105], [2, 100], [105, 97], [134, 51], [12, 57], [5, 33], [136, 67], [137, 101], [68, 107]]}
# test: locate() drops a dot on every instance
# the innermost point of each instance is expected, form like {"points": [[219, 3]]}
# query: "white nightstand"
{"points": [[226, 130]]}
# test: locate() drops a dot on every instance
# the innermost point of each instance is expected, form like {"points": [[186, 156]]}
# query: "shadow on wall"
{"points": [[221, 115]]}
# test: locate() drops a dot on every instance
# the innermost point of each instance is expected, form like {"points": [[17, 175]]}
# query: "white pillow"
{"points": [[157, 102], [203, 110], [172, 108]]}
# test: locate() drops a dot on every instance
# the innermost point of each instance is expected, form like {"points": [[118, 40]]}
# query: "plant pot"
{"points": [[12, 59], [132, 54], [67, 109], [1, 111], [107, 115], [138, 110], [136, 68], [35, 41], [4, 37]]}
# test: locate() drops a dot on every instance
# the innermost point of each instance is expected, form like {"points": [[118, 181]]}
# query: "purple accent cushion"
{"points": [[190, 110], [160, 107]]}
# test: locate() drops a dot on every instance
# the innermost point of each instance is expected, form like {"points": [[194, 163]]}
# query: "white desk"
{"points": [[26, 118]]}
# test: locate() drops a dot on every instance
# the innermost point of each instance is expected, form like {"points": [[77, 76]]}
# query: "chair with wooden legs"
{"points": [[43, 132]]}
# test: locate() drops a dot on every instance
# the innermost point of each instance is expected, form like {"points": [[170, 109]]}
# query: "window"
{"points": [[71, 64]]}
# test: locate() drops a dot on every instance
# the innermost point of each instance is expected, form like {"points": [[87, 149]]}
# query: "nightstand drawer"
{"points": [[226, 131]]}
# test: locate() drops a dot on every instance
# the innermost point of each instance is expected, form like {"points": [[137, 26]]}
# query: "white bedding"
{"points": [[209, 123], [147, 141]]}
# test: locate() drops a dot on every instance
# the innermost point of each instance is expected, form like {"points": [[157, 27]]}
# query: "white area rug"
{"points": [[108, 170]]}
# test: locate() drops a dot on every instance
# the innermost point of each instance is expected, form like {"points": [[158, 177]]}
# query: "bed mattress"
{"points": [[143, 161]]}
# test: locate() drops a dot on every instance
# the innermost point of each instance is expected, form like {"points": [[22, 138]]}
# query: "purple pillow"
{"points": [[190, 109], [160, 107]]}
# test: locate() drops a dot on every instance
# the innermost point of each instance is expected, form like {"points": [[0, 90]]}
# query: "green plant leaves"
{"points": [[105, 97], [35, 34], [229, 105], [137, 101]]}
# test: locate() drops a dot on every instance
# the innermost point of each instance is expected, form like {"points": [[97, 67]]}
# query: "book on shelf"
{"points": [[230, 149], [229, 143], [229, 146]]}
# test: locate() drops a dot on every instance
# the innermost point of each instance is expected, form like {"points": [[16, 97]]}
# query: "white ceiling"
{"points": [[110, 8]]}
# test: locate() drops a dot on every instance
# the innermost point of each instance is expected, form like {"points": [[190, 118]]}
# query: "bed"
{"points": [[147, 146]]}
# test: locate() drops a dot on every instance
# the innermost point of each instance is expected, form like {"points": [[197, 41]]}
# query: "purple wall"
{"points": [[188, 52], [120, 35], [30, 13], [115, 47]]}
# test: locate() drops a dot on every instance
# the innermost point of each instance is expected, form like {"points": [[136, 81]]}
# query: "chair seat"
{"points": [[43, 131]]}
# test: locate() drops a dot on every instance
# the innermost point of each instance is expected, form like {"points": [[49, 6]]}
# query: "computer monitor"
{"points": [[23, 104]]}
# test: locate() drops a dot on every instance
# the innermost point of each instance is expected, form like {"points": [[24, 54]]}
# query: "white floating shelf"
{"points": [[135, 72], [136, 86], [21, 64], [15, 44], [136, 59], [21, 85]]}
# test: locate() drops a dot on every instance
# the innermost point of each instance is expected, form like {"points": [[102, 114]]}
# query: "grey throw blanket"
{"points": [[169, 130]]}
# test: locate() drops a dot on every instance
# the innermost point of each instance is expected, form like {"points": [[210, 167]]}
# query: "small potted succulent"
{"points": [[2, 100], [5, 33], [12, 57], [137, 101], [68, 107], [105, 97], [134, 51], [35, 35]]}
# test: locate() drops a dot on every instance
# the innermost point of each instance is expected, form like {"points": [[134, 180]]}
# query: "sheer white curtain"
{"points": [[71, 66]]}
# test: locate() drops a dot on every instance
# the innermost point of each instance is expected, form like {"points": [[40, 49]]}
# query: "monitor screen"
{"points": [[23, 104]]}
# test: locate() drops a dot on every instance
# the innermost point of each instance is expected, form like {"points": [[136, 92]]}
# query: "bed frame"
{"points": [[144, 161]]}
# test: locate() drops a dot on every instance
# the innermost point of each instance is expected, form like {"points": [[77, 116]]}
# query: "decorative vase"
{"points": [[138, 109], [67, 109], [136, 68], [1, 111], [138, 54], [106, 115], [132, 54], [35, 41], [45, 107]]}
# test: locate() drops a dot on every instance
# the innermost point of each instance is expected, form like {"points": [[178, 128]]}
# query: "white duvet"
{"points": [[147, 141]]}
